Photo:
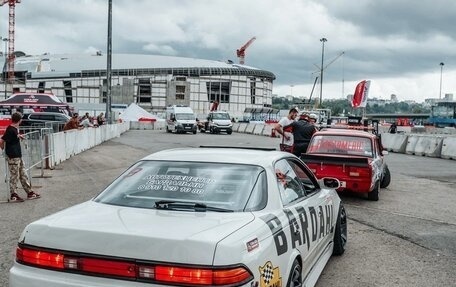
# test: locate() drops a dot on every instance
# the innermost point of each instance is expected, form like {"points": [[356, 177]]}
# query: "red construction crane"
{"points": [[12, 20], [241, 51]]}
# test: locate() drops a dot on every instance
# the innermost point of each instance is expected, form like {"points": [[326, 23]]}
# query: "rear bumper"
{"points": [[361, 185], [25, 276]]}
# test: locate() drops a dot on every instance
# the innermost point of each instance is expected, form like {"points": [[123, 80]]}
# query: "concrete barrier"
{"points": [[235, 127], [249, 128], [411, 144], [142, 125], [242, 127], [434, 146], [394, 142], [424, 145], [267, 130], [448, 148], [258, 129]]}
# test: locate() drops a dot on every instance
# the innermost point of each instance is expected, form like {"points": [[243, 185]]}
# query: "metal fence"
{"points": [[37, 150]]}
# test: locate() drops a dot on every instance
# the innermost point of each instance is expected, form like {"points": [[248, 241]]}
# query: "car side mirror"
{"points": [[330, 182]]}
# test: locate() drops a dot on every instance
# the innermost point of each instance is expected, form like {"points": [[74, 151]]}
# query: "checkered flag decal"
{"points": [[267, 272]]}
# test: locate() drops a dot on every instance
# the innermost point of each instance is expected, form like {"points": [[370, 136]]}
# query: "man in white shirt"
{"points": [[285, 121]]}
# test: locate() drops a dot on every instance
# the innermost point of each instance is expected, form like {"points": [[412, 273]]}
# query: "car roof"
{"points": [[219, 155], [346, 132]]}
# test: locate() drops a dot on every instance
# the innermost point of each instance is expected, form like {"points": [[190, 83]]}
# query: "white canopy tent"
{"points": [[134, 112]]}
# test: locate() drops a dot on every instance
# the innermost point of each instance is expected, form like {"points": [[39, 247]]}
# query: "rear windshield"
{"points": [[228, 186], [345, 145]]}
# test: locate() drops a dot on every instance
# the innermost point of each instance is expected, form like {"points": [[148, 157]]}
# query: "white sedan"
{"points": [[191, 217]]}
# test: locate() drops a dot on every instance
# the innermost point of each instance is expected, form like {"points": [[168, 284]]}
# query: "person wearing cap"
{"points": [[286, 121], [303, 131], [312, 118]]}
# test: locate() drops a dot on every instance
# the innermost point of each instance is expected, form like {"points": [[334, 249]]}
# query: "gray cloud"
{"points": [[381, 39]]}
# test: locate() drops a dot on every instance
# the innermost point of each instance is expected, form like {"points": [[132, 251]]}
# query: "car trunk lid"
{"points": [[148, 234]]}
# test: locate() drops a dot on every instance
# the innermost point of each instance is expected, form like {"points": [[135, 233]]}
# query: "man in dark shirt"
{"points": [[10, 142], [302, 133]]}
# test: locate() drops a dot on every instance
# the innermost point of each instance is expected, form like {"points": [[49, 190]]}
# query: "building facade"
{"points": [[153, 82]]}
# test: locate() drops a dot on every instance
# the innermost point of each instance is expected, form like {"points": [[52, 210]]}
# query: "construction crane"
{"points": [[241, 51], [12, 20]]}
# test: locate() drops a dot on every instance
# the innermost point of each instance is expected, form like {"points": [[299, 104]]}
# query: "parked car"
{"points": [[217, 122], [354, 157], [192, 217], [40, 119]]}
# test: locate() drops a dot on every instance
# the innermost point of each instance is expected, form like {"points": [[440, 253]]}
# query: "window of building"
{"points": [[219, 91], [181, 79], [41, 86], [252, 87], [144, 91], [180, 92], [180, 89], [68, 91]]}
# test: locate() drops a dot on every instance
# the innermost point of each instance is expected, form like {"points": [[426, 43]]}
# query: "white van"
{"points": [[180, 119]]}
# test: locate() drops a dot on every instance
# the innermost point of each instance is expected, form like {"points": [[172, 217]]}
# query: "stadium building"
{"points": [[153, 82]]}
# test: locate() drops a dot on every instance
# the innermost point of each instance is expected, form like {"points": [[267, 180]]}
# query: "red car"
{"points": [[354, 157]]}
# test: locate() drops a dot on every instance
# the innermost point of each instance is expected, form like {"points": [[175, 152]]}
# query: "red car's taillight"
{"points": [[130, 269], [359, 172]]}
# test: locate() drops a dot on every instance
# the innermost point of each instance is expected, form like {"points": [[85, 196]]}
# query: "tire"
{"points": [[386, 179], [229, 132], [295, 278], [373, 195], [340, 234], [194, 132]]}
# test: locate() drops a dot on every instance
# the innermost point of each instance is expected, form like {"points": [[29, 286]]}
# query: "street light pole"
{"points": [[109, 62], [441, 71], [4, 66], [322, 40]]}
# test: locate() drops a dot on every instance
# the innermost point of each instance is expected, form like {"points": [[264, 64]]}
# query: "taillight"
{"points": [[183, 275], [231, 276], [130, 269], [359, 171], [40, 258]]}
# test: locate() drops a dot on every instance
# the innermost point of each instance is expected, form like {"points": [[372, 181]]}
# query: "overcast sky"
{"points": [[397, 44]]}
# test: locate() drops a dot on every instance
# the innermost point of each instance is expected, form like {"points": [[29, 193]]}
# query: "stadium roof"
{"points": [[66, 65]]}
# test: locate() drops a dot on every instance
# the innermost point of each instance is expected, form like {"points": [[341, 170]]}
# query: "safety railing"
{"points": [[43, 148]]}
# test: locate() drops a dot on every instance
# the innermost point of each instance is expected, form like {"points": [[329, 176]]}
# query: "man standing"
{"points": [[302, 133], [393, 128], [286, 121], [10, 142]]}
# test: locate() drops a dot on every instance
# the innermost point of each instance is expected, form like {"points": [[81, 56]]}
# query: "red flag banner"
{"points": [[360, 97]]}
